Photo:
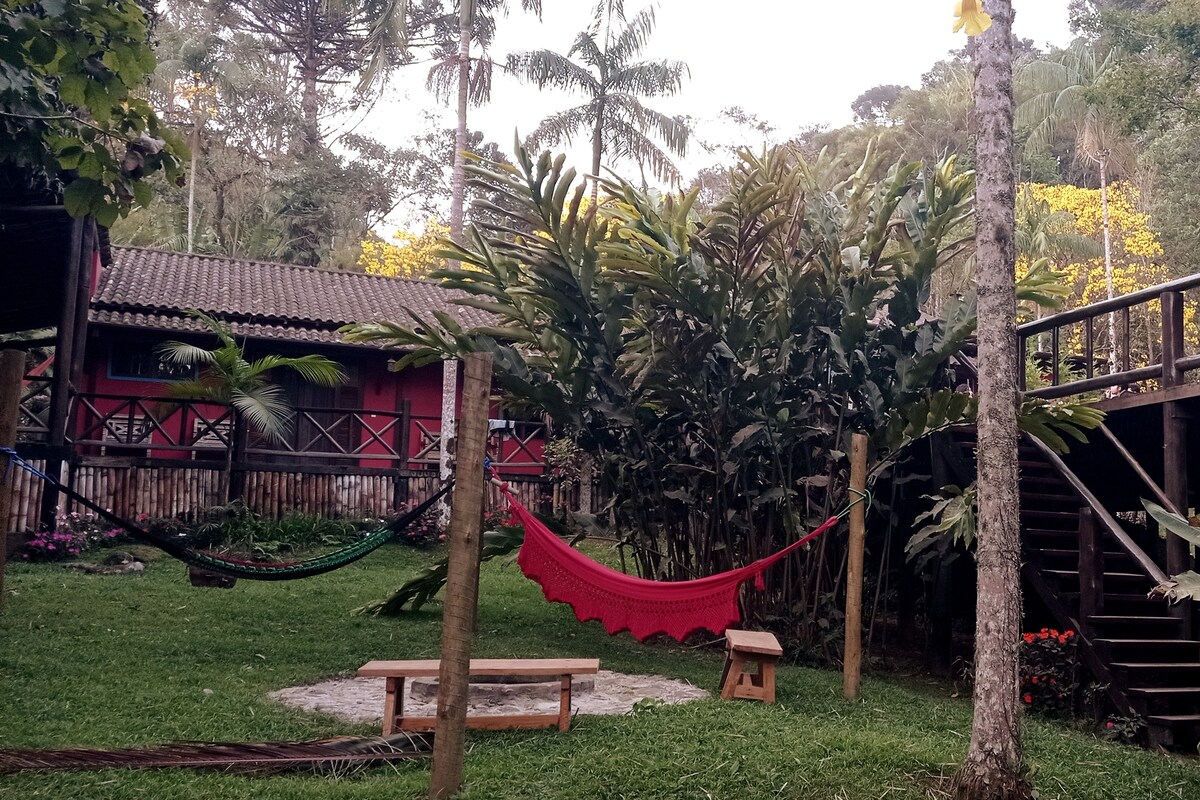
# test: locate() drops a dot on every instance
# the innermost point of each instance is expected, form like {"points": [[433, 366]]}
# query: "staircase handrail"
{"points": [[1101, 514], [1159, 495], [1063, 318]]}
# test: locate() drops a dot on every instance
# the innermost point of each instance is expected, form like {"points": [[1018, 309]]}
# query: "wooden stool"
{"points": [[750, 647]]}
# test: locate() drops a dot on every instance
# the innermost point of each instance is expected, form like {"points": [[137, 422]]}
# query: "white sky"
{"points": [[793, 64]]}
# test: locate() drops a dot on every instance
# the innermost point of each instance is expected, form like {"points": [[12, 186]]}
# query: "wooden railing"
{"points": [[1167, 364], [117, 425], [123, 423], [33, 422]]}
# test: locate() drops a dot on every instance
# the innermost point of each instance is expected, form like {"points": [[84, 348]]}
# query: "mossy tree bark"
{"points": [[994, 767]]}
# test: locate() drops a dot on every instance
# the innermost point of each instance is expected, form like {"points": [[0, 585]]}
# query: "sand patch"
{"points": [[361, 699]]}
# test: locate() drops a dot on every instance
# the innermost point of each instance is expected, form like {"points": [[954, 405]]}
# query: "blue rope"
{"points": [[15, 460], [188, 555]]}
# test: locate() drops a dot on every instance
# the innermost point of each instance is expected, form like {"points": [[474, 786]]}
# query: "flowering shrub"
{"points": [[73, 533], [1126, 730], [423, 531], [1049, 667]]}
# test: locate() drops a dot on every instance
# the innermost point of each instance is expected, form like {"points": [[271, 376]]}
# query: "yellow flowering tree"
{"points": [[1136, 261], [413, 255]]}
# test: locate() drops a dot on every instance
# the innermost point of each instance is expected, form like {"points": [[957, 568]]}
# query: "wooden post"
{"points": [[1091, 569], [1175, 436], [852, 662], [462, 579], [64, 360], [12, 369]]}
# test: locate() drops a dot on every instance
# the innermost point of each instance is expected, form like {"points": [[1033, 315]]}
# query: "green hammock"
{"points": [[236, 568]]}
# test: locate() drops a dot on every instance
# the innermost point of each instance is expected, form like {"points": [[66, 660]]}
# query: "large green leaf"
{"points": [[1173, 523]]}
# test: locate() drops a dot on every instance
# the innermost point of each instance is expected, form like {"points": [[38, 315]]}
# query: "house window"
{"points": [[130, 362]]}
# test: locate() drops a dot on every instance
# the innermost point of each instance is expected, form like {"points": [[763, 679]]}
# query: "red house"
{"points": [[362, 448]]}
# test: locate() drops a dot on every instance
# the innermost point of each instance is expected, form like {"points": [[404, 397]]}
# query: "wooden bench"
{"points": [[750, 647], [550, 669]]}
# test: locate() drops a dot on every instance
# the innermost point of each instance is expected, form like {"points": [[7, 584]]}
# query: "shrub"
{"points": [[1049, 671], [73, 534], [424, 531]]}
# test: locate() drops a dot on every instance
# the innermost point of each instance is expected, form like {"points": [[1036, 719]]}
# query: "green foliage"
{"points": [[498, 540], [235, 527], [68, 108], [1157, 55], [228, 378], [951, 524], [715, 368], [1050, 672], [1185, 586], [1052, 421]]}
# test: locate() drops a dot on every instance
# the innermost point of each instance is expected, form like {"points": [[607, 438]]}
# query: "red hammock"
{"points": [[624, 602]]}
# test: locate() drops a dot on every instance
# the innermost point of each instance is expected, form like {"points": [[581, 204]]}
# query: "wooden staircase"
{"points": [[1094, 578]]}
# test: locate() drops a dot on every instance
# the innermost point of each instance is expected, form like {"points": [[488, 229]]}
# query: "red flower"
{"points": [[1035, 680], [1110, 725], [1028, 698], [1029, 637]]}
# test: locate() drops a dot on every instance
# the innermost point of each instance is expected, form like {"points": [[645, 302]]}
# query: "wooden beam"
{"points": [[462, 579], [12, 368], [1091, 568], [852, 661], [64, 364]]}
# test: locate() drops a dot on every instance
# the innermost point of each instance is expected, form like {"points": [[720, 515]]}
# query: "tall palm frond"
{"points": [[548, 68], [227, 377], [1063, 94], [562, 127], [600, 66]]}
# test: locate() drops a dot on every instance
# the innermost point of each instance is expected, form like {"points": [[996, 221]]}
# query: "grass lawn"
{"points": [[119, 661]]}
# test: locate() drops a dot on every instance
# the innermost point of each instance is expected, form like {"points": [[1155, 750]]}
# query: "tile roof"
{"points": [[154, 288]]}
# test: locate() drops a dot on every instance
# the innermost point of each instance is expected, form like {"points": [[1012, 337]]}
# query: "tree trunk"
{"points": [[447, 435], [309, 109], [994, 769], [597, 150], [458, 179], [458, 195], [1108, 268], [462, 581], [191, 208]]}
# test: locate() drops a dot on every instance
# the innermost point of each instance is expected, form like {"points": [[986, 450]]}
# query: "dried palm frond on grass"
{"points": [[324, 755]]}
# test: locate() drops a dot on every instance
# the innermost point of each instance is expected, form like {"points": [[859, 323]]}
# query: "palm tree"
{"points": [[1064, 95], [228, 378], [613, 84], [469, 81]]}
